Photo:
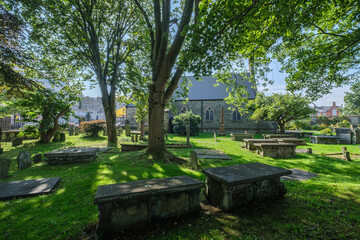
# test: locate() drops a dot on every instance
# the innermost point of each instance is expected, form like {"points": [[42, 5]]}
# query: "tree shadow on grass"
{"points": [[93, 139]]}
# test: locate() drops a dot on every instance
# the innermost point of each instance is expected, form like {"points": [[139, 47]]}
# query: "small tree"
{"points": [[181, 121], [280, 108], [46, 107]]}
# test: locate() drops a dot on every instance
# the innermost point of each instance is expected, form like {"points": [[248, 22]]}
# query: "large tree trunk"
{"points": [[45, 137], [156, 125], [282, 127], [110, 115]]}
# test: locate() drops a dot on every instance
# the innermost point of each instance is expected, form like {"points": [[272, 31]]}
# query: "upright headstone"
{"points": [[127, 130], [215, 136], [346, 156], [344, 149], [37, 158], [1, 150], [62, 137], [194, 161], [222, 125], [17, 141], [24, 160], [188, 132], [4, 167], [71, 130], [309, 150], [76, 130]]}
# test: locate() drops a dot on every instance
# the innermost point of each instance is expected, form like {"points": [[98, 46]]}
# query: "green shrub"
{"points": [[302, 124], [326, 131], [30, 131], [92, 128], [181, 120], [344, 123], [315, 127], [322, 126]]}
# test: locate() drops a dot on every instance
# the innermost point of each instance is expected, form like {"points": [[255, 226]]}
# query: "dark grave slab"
{"points": [[324, 139], [298, 175], [232, 186], [211, 154], [71, 155], [144, 202], [27, 188]]}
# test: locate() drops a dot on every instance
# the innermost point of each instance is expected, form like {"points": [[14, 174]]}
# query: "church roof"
{"points": [[205, 89]]}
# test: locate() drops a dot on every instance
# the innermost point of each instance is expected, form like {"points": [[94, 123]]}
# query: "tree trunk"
{"points": [[110, 116], [282, 127], [156, 125], [45, 137]]}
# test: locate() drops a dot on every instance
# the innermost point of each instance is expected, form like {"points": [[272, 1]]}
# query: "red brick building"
{"points": [[328, 110]]}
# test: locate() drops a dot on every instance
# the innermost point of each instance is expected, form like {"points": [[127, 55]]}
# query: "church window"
{"points": [[209, 114], [183, 110], [236, 115]]}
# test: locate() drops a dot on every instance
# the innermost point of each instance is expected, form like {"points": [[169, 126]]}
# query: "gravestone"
{"points": [[16, 141], [76, 130], [62, 137], [24, 160], [71, 130], [194, 161], [37, 158], [4, 167], [1, 149], [127, 130], [27, 188], [309, 150]]}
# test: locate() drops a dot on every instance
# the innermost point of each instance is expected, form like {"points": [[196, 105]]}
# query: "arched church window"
{"points": [[184, 109], [209, 114], [236, 115]]}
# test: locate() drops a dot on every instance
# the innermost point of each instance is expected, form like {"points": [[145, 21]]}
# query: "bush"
{"points": [[181, 120], [29, 131], [92, 128], [302, 124], [326, 131], [322, 126], [315, 127], [344, 123]]}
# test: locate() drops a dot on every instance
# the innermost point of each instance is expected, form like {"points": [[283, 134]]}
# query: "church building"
{"points": [[207, 100]]}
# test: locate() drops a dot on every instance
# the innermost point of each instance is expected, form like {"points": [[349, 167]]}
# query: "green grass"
{"points": [[324, 207]]}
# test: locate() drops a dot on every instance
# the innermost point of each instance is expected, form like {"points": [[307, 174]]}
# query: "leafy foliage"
{"points": [[321, 47], [327, 131], [352, 100], [332, 120], [30, 131], [92, 128], [46, 107], [182, 119], [280, 108], [12, 58]]}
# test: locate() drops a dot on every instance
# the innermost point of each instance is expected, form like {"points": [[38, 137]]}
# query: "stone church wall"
{"points": [[199, 107]]}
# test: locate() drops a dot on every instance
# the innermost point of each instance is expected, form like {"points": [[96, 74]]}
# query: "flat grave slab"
{"points": [[232, 186], [298, 175], [211, 154], [71, 155], [27, 188]]}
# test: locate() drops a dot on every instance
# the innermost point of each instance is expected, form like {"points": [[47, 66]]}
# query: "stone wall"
{"points": [[199, 107]]}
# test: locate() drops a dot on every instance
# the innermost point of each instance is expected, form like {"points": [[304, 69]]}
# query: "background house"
{"points": [[328, 110]]}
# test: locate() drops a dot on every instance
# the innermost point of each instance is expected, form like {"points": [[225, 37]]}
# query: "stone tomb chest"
{"points": [[138, 203], [297, 141], [232, 186], [249, 143], [276, 150], [241, 136], [325, 139], [71, 155]]}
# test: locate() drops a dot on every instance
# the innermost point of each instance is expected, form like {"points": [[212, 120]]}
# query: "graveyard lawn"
{"points": [[323, 207]]}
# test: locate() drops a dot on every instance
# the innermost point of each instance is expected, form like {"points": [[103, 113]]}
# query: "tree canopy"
{"points": [[280, 108], [352, 100], [320, 49]]}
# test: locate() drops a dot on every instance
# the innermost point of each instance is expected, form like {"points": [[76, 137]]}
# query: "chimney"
{"points": [[334, 104]]}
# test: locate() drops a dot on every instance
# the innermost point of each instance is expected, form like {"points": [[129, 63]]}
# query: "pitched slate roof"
{"points": [[205, 90]]}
